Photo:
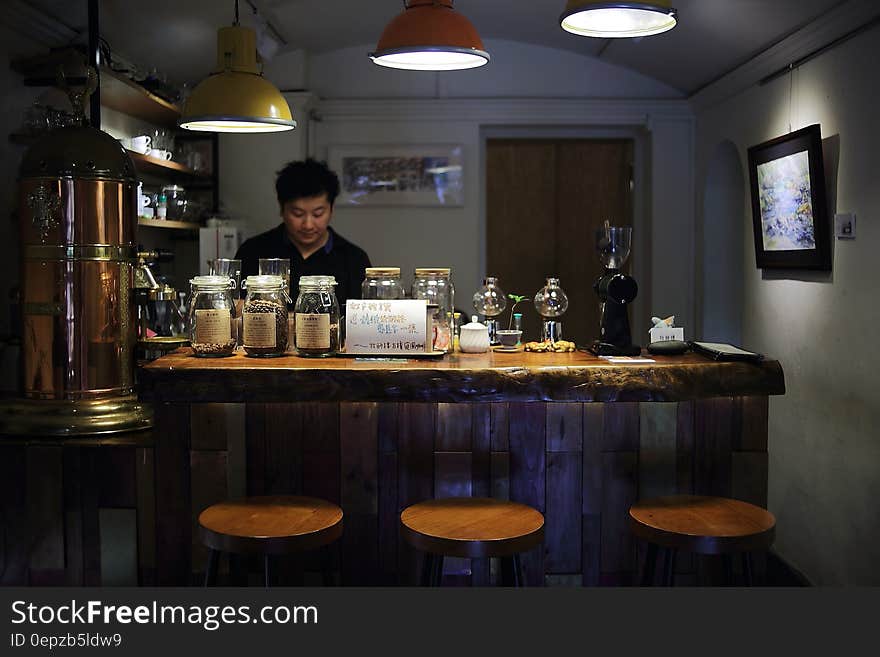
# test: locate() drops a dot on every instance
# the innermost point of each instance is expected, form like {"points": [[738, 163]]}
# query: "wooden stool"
{"points": [[472, 527], [268, 526], [702, 525]]}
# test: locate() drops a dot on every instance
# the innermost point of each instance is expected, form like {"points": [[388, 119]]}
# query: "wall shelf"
{"points": [[127, 96], [168, 224], [155, 166]]}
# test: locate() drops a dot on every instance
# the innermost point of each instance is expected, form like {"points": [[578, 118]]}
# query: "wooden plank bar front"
{"points": [[565, 433], [572, 435]]}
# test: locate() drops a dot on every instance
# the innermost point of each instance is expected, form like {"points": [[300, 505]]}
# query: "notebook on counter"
{"points": [[723, 351]]}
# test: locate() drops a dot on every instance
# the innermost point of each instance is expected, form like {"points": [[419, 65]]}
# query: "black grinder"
{"points": [[616, 291]]}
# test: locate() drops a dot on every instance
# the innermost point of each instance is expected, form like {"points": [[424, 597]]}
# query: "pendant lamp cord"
{"points": [[236, 13], [790, 93]]}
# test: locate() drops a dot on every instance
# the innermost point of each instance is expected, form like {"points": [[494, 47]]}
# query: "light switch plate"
{"points": [[845, 226]]}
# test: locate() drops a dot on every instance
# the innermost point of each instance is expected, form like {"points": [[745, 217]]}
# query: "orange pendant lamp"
{"points": [[430, 36], [618, 20]]}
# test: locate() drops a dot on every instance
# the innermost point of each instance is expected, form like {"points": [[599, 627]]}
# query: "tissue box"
{"points": [[664, 334]]}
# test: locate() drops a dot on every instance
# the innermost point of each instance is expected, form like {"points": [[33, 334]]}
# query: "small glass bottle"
{"points": [[517, 325], [382, 283], [264, 317], [317, 317], [211, 316], [161, 206]]}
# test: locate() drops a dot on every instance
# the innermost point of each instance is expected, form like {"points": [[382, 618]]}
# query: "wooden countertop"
{"points": [[491, 377]]}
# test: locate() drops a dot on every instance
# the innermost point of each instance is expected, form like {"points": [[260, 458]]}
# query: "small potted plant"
{"points": [[511, 337]]}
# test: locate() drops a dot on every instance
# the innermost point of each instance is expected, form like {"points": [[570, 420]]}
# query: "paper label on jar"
{"points": [[213, 326], [259, 330], [312, 331]]}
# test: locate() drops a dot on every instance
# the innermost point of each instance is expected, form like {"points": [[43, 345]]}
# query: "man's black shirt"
{"points": [[338, 257]]}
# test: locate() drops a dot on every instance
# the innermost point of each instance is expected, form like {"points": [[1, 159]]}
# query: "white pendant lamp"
{"points": [[429, 35], [236, 97], [617, 20]]}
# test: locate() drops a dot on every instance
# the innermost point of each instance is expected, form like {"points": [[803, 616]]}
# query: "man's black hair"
{"points": [[304, 179]]}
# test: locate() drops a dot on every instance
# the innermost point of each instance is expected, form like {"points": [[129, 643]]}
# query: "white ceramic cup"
{"points": [[159, 154], [141, 144]]}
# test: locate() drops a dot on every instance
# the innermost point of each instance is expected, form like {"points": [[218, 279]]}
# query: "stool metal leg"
{"points": [[327, 566], [511, 571], [727, 564], [748, 574], [650, 563], [669, 567], [427, 569], [437, 579], [211, 570], [519, 578]]}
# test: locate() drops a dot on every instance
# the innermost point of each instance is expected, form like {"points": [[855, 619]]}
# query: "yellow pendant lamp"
{"points": [[430, 36], [610, 20], [236, 97]]}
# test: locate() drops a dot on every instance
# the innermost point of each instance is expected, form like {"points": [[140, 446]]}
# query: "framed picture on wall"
{"points": [[405, 175], [789, 210]]}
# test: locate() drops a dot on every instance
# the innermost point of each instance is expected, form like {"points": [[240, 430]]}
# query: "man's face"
{"points": [[307, 219]]}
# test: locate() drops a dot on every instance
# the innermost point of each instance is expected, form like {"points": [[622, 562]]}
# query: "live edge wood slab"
{"points": [[491, 377]]}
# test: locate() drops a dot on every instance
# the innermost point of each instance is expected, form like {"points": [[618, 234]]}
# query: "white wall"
{"points": [[524, 85], [824, 441]]}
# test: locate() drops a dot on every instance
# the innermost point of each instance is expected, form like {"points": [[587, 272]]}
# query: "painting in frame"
{"points": [[405, 175], [789, 208]]}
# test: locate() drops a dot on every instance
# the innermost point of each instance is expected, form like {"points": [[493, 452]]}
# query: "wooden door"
{"points": [[545, 200]]}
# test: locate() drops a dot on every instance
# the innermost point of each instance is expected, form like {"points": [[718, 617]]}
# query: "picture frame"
{"points": [[789, 206], [423, 175]]}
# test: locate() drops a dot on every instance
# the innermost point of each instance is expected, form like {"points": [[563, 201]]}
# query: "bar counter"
{"points": [[576, 437]]}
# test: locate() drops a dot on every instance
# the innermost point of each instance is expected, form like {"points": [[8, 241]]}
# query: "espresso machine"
{"points": [[78, 220], [616, 291]]}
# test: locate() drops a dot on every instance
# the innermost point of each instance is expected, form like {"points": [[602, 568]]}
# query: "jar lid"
{"points": [[433, 271], [316, 281], [210, 281], [264, 281], [382, 271]]}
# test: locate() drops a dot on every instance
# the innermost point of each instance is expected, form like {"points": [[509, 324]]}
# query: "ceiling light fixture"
{"points": [[236, 97], [430, 36], [610, 20]]}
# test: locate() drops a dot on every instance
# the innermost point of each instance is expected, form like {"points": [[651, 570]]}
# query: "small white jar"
{"points": [[474, 338]]}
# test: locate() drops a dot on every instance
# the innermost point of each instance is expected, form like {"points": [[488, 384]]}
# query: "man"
{"points": [[306, 192]]}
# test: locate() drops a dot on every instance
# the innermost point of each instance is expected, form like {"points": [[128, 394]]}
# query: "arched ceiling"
{"points": [[713, 36]]}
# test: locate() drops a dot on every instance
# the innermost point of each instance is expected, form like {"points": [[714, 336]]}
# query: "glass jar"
{"points": [[317, 317], [382, 283], [435, 286], [264, 317], [211, 316], [175, 202]]}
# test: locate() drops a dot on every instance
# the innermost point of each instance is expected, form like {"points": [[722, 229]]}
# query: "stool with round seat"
{"points": [[702, 525], [472, 527], [268, 526]]}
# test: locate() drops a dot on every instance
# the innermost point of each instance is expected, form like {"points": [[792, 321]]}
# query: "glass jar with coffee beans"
{"points": [[264, 317], [317, 317], [211, 316]]}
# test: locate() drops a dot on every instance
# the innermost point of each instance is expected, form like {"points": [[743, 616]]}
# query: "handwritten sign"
{"points": [[386, 327]]}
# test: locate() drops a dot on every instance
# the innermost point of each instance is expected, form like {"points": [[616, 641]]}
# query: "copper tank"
{"points": [[78, 221]]}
